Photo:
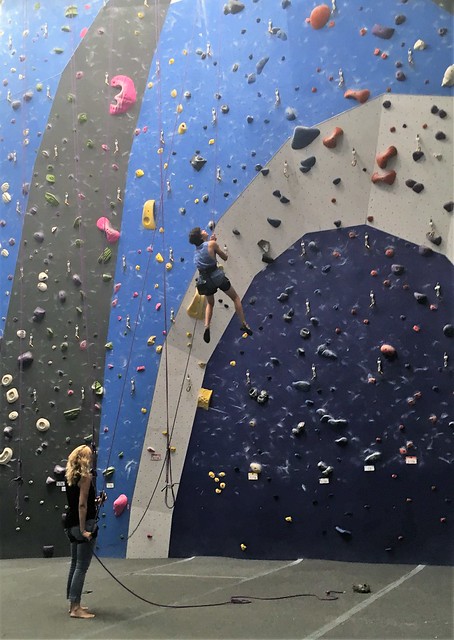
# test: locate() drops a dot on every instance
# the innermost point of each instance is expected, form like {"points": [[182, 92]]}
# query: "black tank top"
{"points": [[73, 493]]}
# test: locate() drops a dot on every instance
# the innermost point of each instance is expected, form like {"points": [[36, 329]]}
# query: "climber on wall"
{"points": [[212, 277]]}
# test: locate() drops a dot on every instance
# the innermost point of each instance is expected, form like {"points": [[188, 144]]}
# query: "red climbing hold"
{"points": [[319, 16], [383, 178], [331, 141], [360, 95], [383, 158]]}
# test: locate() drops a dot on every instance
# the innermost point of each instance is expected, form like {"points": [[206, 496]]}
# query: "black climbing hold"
{"points": [[345, 533], [25, 359], [420, 297], [274, 360], [400, 76], [337, 223], [417, 155], [48, 551], [313, 246], [274, 222], [449, 206], [399, 19], [440, 135], [338, 422], [387, 104], [266, 258], [250, 119], [235, 232], [225, 108], [448, 330], [291, 114], [336, 181], [300, 352], [284, 200], [442, 31], [260, 64], [303, 137], [323, 351], [258, 167], [251, 78], [434, 109], [305, 333], [341, 441], [277, 193], [418, 187], [326, 268], [38, 314], [410, 183], [265, 172], [436, 240], [197, 162], [397, 269], [308, 163], [442, 114], [282, 297], [425, 251], [233, 7]]}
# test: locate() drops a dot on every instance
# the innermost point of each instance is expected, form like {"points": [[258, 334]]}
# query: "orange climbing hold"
{"points": [[362, 95], [387, 177], [319, 16], [331, 141], [383, 158]]}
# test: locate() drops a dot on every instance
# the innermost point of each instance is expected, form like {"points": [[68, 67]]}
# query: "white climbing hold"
{"points": [[12, 395], [42, 286], [6, 455], [5, 187], [7, 380], [13, 415], [448, 78], [419, 45], [21, 333], [255, 467], [42, 277], [42, 424]]}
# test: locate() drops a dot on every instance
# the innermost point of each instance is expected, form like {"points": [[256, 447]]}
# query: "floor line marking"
{"points": [[94, 632], [362, 605], [158, 566]]}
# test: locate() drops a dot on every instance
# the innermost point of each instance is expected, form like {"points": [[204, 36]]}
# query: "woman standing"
{"points": [[80, 524]]}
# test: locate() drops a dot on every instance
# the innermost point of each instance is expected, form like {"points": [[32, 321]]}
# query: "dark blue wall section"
{"points": [[399, 512]]}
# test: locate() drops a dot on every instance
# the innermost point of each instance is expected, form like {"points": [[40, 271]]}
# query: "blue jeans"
{"points": [[81, 555]]}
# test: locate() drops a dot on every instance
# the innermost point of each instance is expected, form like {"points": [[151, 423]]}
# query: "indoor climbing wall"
{"points": [[239, 116]]}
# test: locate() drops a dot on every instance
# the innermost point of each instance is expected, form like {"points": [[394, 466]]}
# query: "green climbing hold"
{"points": [[39, 86], [52, 199], [64, 346], [105, 256], [50, 178], [78, 242], [58, 50], [66, 28], [71, 11], [50, 332], [82, 117], [109, 345], [79, 310], [107, 473], [97, 388], [71, 97], [71, 414], [77, 222], [121, 455], [107, 277], [90, 144]]}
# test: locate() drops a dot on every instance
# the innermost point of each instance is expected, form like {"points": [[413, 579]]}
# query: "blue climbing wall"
{"points": [[365, 477], [239, 82]]}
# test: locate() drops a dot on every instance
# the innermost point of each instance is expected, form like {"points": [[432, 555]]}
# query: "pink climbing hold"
{"points": [[112, 235], [126, 98], [120, 504], [83, 32], [319, 16]]}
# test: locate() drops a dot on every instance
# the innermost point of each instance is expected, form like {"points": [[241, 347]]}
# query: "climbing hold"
{"points": [[12, 395], [42, 424], [319, 16], [233, 7], [382, 32], [127, 96], [372, 457], [108, 473], [105, 256], [331, 141], [120, 504], [112, 235], [417, 155], [7, 380], [341, 441], [388, 351], [25, 359], [148, 215], [261, 64], [306, 165], [71, 414], [383, 158], [274, 222], [303, 137], [255, 467], [301, 385], [387, 177], [345, 533], [360, 95], [182, 128], [6, 455], [197, 162], [448, 330], [420, 297], [204, 398], [448, 77], [51, 199]]}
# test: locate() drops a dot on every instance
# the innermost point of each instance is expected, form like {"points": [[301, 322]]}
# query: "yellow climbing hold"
{"points": [[196, 200], [148, 214], [218, 490], [169, 265], [161, 229], [159, 348], [139, 173], [203, 399], [172, 449], [289, 519], [159, 258], [171, 60], [232, 363], [182, 128], [137, 267], [140, 15], [211, 141], [243, 547], [143, 410], [196, 308], [174, 93], [216, 479], [211, 474], [179, 108], [151, 340], [188, 334], [150, 85], [185, 52], [160, 150], [221, 474], [165, 165], [222, 485]]}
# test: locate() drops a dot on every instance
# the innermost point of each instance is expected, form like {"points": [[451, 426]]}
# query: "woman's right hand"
{"points": [[87, 534]]}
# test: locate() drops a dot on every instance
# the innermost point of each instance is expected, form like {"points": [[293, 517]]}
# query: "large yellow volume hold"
{"points": [[204, 397], [148, 215], [196, 308]]}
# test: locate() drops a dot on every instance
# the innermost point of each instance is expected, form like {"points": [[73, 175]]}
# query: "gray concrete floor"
{"points": [[406, 602]]}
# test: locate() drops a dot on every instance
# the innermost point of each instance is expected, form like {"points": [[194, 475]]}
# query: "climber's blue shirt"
{"points": [[202, 259]]}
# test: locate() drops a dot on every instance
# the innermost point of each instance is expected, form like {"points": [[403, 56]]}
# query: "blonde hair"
{"points": [[79, 464]]}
